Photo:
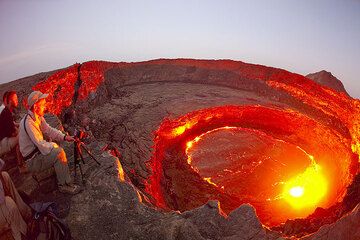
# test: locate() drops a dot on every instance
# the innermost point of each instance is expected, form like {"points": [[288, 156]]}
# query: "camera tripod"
{"points": [[78, 147]]}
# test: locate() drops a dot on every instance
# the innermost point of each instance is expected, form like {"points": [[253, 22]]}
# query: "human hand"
{"points": [[69, 138]]}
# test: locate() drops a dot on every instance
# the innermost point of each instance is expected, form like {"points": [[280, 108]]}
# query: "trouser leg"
{"points": [[62, 168], [57, 159], [19, 157], [22, 206], [3, 146], [10, 215], [7, 144]]}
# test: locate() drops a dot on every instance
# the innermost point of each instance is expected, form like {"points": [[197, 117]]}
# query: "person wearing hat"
{"points": [[38, 153]]}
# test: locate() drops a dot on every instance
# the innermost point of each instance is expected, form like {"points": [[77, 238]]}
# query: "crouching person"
{"points": [[13, 211], [9, 138], [38, 153]]}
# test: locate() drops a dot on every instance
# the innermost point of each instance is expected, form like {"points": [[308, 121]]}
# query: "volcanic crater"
{"points": [[190, 131]]}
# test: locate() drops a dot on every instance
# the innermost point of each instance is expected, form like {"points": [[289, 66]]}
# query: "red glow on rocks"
{"points": [[92, 75], [332, 103], [61, 85]]}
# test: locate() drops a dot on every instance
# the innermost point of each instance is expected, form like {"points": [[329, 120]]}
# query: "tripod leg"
{"points": [[82, 157], [81, 172], [88, 152], [75, 158]]}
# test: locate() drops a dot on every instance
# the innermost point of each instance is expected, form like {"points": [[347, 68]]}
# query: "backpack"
{"points": [[45, 225]]}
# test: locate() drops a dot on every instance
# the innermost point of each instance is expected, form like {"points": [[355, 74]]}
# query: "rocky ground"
{"points": [[111, 207]]}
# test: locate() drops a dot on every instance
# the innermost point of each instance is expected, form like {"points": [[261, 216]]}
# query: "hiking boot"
{"points": [[69, 188]]}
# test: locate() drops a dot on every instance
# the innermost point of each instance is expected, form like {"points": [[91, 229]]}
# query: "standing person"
{"points": [[39, 153], [9, 138], [13, 210]]}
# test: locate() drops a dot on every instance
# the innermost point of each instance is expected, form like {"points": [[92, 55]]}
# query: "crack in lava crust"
{"points": [[175, 184]]}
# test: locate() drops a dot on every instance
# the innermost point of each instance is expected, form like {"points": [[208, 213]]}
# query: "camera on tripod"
{"points": [[79, 136]]}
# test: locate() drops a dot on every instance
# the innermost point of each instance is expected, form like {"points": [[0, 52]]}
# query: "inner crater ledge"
{"points": [[279, 161], [256, 168]]}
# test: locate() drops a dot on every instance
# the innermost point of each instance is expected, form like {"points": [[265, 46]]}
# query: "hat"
{"points": [[34, 97]]}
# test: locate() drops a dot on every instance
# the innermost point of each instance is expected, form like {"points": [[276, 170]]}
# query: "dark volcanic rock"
{"points": [[244, 224], [348, 227], [208, 219], [327, 79]]}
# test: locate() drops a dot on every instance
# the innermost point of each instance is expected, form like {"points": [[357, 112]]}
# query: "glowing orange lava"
{"points": [[306, 190], [120, 170], [302, 192], [297, 191], [277, 193]]}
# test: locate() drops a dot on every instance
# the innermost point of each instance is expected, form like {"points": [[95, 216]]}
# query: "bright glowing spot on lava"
{"points": [[297, 191], [307, 189], [303, 192], [179, 130]]}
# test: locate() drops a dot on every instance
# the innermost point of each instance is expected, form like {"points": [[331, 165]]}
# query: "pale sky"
{"points": [[302, 36]]}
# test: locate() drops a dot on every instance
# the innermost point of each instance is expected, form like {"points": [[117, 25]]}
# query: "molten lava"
{"points": [[303, 191], [306, 190], [297, 191], [250, 154]]}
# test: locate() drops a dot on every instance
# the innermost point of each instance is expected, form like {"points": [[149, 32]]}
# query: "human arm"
{"points": [[69, 138], [35, 134], [52, 133]]}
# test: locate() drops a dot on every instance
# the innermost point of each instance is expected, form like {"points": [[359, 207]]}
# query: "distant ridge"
{"points": [[327, 79]]}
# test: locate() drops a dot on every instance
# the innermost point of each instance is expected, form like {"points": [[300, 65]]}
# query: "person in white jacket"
{"points": [[38, 153]]}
